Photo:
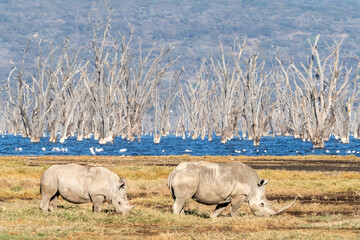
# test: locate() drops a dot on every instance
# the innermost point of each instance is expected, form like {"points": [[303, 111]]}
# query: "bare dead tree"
{"points": [[10, 120], [289, 119], [356, 122], [120, 88], [68, 87], [346, 97], [234, 91], [259, 100], [84, 117], [17, 97], [33, 94], [230, 98], [320, 89], [110, 65], [137, 88], [162, 109], [194, 101]]}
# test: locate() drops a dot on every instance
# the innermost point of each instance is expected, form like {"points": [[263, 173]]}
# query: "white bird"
{"points": [[163, 150], [265, 150], [123, 150], [327, 151], [92, 151], [244, 150], [20, 149], [56, 149], [338, 151], [188, 150], [99, 149], [43, 149], [237, 151]]}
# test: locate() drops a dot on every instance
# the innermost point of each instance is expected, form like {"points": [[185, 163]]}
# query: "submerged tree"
{"points": [[230, 101], [259, 101], [194, 97], [321, 85], [35, 94], [121, 87]]}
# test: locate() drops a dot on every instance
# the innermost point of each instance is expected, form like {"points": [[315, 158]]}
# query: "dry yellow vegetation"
{"points": [[328, 207]]}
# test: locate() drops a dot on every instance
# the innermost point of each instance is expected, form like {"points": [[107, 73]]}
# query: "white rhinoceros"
{"points": [[221, 184], [81, 184]]}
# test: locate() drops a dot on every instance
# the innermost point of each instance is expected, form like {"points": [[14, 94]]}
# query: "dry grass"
{"points": [[152, 218]]}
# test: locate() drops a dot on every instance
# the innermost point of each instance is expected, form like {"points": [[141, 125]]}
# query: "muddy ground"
{"points": [[274, 163]]}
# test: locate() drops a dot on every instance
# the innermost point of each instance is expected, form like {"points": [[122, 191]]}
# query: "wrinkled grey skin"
{"points": [[222, 184], [81, 184]]}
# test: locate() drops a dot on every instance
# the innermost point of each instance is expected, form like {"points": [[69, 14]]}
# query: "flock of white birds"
{"points": [[95, 150]]}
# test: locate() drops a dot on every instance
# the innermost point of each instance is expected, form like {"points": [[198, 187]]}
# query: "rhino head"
{"points": [[120, 200], [259, 204]]}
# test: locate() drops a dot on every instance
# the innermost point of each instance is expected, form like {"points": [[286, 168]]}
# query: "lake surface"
{"points": [[171, 145]]}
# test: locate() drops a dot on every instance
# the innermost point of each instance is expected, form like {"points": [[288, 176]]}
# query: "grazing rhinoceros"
{"points": [[220, 184], [81, 184]]}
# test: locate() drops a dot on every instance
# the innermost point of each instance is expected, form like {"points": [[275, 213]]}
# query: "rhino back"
{"points": [[225, 172], [76, 183], [218, 181]]}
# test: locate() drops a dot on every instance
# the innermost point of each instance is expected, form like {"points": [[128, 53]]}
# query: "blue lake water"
{"points": [[171, 145]]}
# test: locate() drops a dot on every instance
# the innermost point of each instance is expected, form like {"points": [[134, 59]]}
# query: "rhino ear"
{"points": [[262, 182], [122, 183]]}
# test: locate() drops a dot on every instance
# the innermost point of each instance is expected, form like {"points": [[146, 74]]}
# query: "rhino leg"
{"points": [[236, 202], [183, 187], [48, 194], [218, 210], [53, 203], [44, 204], [178, 207], [97, 202]]}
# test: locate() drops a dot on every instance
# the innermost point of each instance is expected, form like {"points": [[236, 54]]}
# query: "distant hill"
{"points": [[278, 27]]}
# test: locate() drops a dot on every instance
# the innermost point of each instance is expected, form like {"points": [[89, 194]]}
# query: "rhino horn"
{"points": [[129, 208], [284, 208]]}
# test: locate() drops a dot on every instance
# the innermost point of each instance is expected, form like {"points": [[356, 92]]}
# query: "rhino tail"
{"points": [[169, 183]]}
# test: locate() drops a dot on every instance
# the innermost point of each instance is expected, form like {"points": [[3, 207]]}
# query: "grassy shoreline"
{"points": [[190, 158], [152, 218]]}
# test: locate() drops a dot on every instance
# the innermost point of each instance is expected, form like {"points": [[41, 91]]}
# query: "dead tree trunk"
{"points": [[110, 67], [35, 99], [320, 80], [291, 119], [161, 110], [194, 101], [347, 96], [228, 78], [259, 101]]}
